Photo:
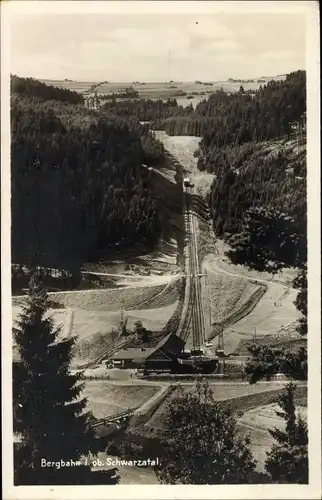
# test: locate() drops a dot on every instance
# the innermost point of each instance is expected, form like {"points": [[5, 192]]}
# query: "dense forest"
{"points": [[249, 172], [253, 177], [84, 166], [242, 117], [147, 109], [78, 186], [226, 118]]}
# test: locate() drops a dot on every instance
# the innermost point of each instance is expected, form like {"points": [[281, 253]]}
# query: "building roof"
{"points": [[134, 353], [141, 353]]}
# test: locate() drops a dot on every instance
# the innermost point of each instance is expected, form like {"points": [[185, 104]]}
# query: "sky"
{"points": [[136, 47]]}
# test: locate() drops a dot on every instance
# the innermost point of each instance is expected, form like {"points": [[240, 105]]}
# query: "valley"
{"points": [[139, 258]]}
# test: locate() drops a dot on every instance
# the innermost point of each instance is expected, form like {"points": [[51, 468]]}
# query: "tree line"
{"points": [[33, 87], [147, 109], [127, 93]]}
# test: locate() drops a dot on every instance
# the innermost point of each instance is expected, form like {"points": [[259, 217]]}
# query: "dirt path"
{"points": [[216, 262], [153, 277]]}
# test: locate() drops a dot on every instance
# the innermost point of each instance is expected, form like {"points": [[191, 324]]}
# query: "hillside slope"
{"points": [[273, 314]]}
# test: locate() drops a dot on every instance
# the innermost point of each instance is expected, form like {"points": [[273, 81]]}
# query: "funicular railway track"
{"points": [[193, 325]]}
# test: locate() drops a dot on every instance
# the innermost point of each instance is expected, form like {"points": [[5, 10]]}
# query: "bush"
{"points": [[268, 361]]}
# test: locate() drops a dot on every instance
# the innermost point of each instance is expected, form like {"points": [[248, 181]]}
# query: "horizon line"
{"points": [[152, 81]]}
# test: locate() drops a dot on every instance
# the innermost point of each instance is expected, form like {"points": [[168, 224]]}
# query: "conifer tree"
{"points": [[287, 461], [123, 329], [50, 416], [142, 333]]}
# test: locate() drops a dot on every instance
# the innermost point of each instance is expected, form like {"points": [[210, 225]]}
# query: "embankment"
{"points": [[102, 300]]}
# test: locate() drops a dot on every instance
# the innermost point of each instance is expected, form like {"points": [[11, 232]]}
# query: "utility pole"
{"points": [[254, 334], [209, 299], [169, 66]]}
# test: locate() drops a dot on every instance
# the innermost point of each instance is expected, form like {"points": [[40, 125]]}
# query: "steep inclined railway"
{"points": [[192, 323], [193, 326], [215, 298]]}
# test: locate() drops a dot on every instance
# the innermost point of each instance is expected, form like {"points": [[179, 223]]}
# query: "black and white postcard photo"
{"points": [[160, 166]]}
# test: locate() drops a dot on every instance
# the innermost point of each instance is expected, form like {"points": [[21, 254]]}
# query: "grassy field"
{"points": [[96, 330], [105, 399], [227, 294], [265, 417], [94, 316], [274, 314], [70, 85], [256, 422], [168, 296]]}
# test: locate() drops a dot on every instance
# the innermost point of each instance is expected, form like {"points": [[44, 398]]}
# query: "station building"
{"points": [[163, 356]]}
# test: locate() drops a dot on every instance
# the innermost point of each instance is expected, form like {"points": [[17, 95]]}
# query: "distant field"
{"points": [[155, 90]]}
